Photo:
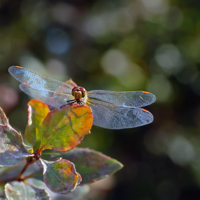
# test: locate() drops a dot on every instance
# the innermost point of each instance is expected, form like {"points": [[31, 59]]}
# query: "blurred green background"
{"points": [[120, 45]]}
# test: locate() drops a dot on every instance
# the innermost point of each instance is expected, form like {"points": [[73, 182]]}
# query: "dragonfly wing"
{"points": [[118, 117], [55, 100], [132, 98], [37, 81]]}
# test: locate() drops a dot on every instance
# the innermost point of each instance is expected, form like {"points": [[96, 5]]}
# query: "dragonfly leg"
{"points": [[72, 101], [63, 106], [69, 102]]}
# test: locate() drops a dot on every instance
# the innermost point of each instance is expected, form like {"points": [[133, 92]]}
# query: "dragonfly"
{"points": [[111, 109]]}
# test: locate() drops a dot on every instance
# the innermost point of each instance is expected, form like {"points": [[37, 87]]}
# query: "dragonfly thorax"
{"points": [[78, 93]]}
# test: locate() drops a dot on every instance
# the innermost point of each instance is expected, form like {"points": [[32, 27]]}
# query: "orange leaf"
{"points": [[64, 128]]}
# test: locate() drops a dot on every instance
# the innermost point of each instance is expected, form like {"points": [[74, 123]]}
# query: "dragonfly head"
{"points": [[78, 93]]}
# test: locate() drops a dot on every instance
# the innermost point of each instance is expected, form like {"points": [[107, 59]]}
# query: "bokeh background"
{"points": [[120, 45]]}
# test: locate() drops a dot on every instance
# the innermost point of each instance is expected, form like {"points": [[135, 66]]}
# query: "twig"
{"points": [[19, 177]]}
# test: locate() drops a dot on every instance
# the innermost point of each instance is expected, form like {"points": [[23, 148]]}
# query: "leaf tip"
{"points": [[3, 117]]}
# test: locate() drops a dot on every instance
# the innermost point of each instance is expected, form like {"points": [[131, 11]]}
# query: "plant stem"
{"points": [[19, 177], [28, 163]]}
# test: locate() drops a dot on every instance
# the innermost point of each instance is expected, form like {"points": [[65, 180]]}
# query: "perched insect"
{"points": [[112, 110]]}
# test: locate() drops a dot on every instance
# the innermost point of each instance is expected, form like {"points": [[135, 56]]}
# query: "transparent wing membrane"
{"points": [[37, 81], [132, 98], [118, 117], [49, 97]]}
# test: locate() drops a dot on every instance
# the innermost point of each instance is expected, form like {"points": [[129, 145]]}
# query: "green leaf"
{"points": [[60, 176], [22, 191], [79, 192], [37, 183], [3, 118], [37, 111], [92, 165], [64, 128], [12, 148]]}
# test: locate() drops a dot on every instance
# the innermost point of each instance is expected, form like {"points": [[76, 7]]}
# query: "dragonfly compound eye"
{"points": [[74, 89], [83, 94], [83, 90]]}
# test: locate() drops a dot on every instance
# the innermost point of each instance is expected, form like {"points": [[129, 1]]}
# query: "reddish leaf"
{"points": [[12, 148], [60, 176], [64, 86], [71, 82], [3, 118], [92, 165], [37, 111], [64, 128]]}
